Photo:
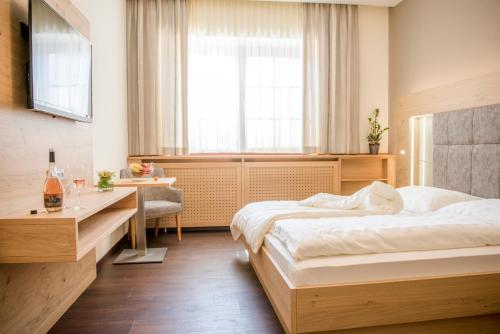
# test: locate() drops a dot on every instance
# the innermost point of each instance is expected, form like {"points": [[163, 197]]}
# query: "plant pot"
{"points": [[374, 148], [105, 184]]}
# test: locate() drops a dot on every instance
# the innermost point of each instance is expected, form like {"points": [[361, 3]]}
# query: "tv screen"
{"points": [[60, 76]]}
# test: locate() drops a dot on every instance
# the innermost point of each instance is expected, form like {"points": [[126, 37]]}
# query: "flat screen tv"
{"points": [[60, 68]]}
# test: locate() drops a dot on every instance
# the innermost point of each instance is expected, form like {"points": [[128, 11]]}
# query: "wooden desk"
{"points": [[64, 236], [47, 260], [142, 254]]}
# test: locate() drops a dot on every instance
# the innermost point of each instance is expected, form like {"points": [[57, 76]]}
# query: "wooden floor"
{"points": [[206, 285]]}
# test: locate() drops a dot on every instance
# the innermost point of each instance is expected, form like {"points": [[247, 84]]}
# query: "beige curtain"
{"points": [[156, 76], [330, 95]]}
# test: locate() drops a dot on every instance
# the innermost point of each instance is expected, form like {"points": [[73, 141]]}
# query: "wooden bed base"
{"points": [[448, 304]]}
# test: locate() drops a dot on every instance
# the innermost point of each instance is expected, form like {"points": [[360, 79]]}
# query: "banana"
{"points": [[136, 168]]}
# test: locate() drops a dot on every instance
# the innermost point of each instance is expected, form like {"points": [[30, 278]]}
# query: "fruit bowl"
{"points": [[141, 170]]}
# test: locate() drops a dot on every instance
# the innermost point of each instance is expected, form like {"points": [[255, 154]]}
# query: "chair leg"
{"points": [[133, 231], [179, 232], [157, 221]]}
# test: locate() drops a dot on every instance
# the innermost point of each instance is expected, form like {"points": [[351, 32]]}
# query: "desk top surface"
{"points": [[146, 182], [92, 202]]}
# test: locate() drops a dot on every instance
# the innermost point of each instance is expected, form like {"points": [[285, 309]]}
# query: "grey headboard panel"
{"points": [[466, 154]]}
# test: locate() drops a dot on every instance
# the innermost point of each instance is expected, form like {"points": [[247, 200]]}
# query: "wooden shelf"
{"points": [[237, 157], [65, 236], [92, 230], [362, 179]]}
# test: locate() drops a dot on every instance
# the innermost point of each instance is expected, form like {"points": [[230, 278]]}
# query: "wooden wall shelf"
{"points": [[65, 236]]}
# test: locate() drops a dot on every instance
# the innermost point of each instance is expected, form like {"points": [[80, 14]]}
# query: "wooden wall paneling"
{"points": [[34, 296], [212, 191], [473, 92], [294, 180], [27, 135], [13, 52], [391, 171]]}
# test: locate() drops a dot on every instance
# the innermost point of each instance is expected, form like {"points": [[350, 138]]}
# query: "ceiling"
{"points": [[383, 3]]}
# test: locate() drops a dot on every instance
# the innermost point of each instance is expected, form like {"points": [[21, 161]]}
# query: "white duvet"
{"points": [[256, 219], [461, 225]]}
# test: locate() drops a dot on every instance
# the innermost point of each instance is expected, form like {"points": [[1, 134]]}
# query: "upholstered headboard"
{"points": [[466, 154]]}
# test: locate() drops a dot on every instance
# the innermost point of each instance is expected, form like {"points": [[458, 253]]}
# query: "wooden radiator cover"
{"points": [[212, 191], [297, 180], [217, 186]]}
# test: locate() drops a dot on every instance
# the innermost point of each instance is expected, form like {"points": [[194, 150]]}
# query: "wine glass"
{"points": [[66, 182], [79, 184]]}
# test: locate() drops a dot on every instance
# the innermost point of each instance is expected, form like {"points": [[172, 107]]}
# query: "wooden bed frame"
{"points": [[448, 304]]}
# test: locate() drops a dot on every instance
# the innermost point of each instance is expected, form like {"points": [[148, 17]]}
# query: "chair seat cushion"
{"points": [[155, 209]]}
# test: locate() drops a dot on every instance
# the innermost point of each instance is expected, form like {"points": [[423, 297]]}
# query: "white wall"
{"points": [[373, 69], [433, 43], [109, 80]]}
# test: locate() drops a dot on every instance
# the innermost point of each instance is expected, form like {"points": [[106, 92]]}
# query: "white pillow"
{"points": [[424, 199]]}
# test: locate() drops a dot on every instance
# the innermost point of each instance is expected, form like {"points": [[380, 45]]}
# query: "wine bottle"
{"points": [[52, 189]]}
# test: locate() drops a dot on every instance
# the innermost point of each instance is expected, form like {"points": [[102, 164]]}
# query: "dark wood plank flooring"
{"points": [[206, 285]]}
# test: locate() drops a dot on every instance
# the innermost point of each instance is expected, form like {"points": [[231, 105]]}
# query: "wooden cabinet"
{"points": [[48, 260], [217, 186]]}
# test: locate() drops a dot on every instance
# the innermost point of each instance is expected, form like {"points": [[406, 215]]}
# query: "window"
{"points": [[244, 94]]}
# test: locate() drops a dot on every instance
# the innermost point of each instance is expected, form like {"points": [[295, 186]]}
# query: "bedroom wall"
{"points": [[109, 79], [27, 135], [373, 69], [433, 43], [25, 139]]}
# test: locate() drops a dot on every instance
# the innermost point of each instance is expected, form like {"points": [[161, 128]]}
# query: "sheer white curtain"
{"points": [[331, 96], [245, 76], [156, 76]]}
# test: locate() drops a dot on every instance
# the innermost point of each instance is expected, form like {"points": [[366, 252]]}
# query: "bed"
{"points": [[423, 291]]}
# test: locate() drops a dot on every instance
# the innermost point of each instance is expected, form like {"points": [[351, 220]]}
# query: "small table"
{"points": [[142, 254]]}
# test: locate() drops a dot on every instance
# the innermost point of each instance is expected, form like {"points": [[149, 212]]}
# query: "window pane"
{"points": [[213, 104], [244, 85], [273, 128]]}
